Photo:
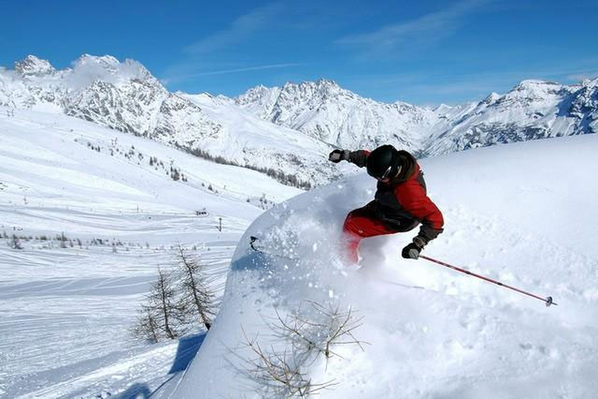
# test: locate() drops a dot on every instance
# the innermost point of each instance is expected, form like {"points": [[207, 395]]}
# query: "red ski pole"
{"points": [[548, 301]]}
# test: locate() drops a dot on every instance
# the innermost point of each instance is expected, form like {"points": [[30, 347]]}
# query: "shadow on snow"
{"points": [[186, 351]]}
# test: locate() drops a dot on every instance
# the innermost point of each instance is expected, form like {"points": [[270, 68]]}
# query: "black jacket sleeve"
{"points": [[359, 157]]}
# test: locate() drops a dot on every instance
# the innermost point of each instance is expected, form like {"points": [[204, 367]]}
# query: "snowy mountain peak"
{"points": [[590, 82], [442, 108], [492, 97], [328, 85], [256, 94], [107, 61], [91, 68], [330, 113], [32, 65], [322, 89], [536, 89]]}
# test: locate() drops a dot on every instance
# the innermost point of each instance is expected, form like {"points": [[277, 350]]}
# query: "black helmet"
{"points": [[384, 162]]}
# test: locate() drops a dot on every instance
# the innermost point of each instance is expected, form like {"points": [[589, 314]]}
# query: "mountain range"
{"points": [[287, 131]]}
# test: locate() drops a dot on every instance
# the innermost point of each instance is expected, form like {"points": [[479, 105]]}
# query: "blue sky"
{"points": [[419, 51]]}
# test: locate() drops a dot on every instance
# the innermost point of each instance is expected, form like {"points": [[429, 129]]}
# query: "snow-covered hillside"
{"points": [[126, 97], [286, 132], [67, 305], [521, 213]]}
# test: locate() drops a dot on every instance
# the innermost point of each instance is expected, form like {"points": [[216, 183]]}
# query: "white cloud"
{"points": [[427, 28], [227, 71], [239, 30], [210, 52]]}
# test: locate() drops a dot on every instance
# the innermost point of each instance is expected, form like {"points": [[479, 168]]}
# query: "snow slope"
{"points": [[66, 313], [522, 213], [125, 96], [247, 140]]}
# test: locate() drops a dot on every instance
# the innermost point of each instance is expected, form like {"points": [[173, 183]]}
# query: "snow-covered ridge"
{"points": [[533, 109], [287, 131]]}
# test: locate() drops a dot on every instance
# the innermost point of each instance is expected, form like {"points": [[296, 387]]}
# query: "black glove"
{"points": [[412, 250], [339, 155]]}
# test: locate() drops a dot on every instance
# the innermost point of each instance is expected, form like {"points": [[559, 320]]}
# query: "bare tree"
{"points": [[147, 325], [319, 329], [62, 238], [196, 294], [306, 334], [281, 374], [161, 315], [177, 300]]}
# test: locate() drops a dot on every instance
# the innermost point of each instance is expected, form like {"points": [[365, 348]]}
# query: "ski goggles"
{"points": [[388, 172]]}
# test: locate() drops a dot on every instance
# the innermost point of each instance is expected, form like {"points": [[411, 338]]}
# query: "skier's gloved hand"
{"points": [[412, 250], [339, 155]]}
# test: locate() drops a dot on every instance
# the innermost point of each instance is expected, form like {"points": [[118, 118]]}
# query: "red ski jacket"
{"points": [[404, 198]]}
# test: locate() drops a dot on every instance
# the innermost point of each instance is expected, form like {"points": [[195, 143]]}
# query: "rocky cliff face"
{"points": [[325, 111], [123, 96], [530, 111]]}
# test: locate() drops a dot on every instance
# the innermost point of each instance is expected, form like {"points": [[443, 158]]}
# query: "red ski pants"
{"points": [[359, 224]]}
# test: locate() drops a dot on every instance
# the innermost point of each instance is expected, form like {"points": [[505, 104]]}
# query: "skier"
{"points": [[400, 202]]}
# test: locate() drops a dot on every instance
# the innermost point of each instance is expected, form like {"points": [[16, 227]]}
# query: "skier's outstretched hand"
{"points": [[338, 155], [412, 250]]}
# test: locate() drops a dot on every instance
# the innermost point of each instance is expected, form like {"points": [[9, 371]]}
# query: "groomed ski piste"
{"points": [[524, 214]]}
